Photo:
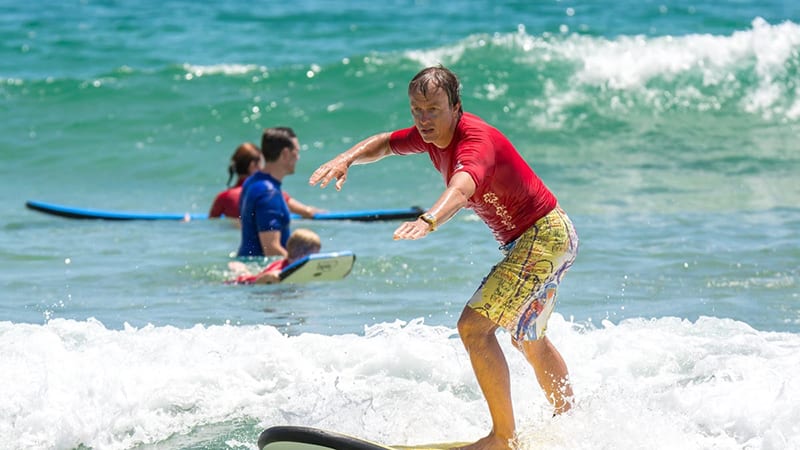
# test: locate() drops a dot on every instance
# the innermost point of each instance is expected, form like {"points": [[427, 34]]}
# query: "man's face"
{"points": [[292, 155], [433, 116]]}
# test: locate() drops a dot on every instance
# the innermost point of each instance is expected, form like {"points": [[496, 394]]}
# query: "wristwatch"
{"points": [[430, 220]]}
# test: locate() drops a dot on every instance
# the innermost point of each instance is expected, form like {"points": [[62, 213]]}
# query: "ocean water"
{"points": [[668, 131]]}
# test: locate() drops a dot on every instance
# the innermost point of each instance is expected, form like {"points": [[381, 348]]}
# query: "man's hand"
{"points": [[335, 169], [417, 229]]}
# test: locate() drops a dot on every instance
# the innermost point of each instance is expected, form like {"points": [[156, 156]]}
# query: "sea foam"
{"points": [[639, 384]]}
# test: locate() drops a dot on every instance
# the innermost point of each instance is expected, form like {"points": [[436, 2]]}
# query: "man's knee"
{"points": [[535, 349], [472, 325]]}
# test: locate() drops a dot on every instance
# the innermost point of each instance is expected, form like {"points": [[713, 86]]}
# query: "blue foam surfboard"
{"points": [[72, 212]]}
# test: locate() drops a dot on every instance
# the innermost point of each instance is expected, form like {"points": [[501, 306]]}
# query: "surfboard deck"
{"points": [[73, 212], [439, 446], [308, 438], [330, 266], [436, 446]]}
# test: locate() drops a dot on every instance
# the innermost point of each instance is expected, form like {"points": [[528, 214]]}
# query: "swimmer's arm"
{"points": [[302, 209], [271, 277], [271, 243]]}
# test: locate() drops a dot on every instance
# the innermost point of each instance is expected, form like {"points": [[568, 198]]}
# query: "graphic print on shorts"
{"points": [[519, 294]]}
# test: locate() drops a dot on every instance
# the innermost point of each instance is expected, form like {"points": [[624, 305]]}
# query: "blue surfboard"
{"points": [[72, 212]]}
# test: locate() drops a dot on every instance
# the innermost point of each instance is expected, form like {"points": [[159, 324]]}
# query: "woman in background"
{"points": [[245, 160]]}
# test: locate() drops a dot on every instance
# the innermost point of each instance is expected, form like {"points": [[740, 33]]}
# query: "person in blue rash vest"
{"points": [[264, 213]]}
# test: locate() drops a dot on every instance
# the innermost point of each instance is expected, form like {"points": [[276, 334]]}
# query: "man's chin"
{"points": [[427, 138]]}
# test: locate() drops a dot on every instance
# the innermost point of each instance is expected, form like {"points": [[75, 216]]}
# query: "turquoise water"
{"points": [[668, 131]]}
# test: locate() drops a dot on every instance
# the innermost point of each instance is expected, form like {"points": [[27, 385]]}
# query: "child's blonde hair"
{"points": [[302, 242]]}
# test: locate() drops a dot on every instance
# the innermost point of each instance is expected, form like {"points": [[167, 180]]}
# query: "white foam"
{"points": [[665, 383], [709, 68], [631, 62], [225, 69]]}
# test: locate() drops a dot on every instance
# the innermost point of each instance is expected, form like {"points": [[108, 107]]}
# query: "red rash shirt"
{"points": [[227, 202], [508, 196]]}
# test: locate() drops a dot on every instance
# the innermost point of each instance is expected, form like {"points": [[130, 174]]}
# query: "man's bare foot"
{"points": [[490, 442], [562, 408], [558, 411]]}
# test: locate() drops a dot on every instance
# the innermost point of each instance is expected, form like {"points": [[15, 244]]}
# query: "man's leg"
{"points": [[491, 370], [551, 372]]}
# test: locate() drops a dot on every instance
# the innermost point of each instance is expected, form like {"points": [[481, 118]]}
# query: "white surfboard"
{"points": [[328, 266]]}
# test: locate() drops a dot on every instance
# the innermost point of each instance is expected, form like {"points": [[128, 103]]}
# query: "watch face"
{"points": [[430, 220]]}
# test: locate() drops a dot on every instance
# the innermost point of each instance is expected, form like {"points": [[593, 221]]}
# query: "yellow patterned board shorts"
{"points": [[519, 293]]}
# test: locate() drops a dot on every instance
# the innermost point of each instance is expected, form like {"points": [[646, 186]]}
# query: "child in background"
{"points": [[301, 243]]}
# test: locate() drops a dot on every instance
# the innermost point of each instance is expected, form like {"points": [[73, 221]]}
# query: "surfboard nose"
{"points": [[307, 438]]}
